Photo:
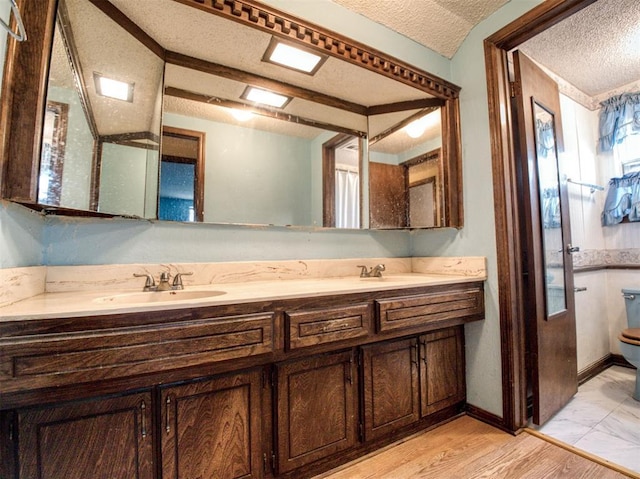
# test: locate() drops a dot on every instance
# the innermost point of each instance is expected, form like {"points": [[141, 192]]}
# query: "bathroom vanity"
{"points": [[265, 379]]}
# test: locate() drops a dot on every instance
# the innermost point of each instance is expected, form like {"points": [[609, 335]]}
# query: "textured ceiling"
{"points": [[597, 50], [441, 25]]}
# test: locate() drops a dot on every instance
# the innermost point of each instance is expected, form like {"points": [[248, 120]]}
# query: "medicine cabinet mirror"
{"points": [[189, 67]]}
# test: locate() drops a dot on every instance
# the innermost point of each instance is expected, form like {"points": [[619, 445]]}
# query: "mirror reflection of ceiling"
{"points": [[189, 31], [102, 52]]}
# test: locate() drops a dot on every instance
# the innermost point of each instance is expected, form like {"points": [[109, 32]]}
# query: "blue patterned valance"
{"points": [[551, 208], [619, 117], [623, 199]]}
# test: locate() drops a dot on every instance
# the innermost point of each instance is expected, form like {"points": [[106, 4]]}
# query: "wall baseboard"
{"points": [[488, 418], [600, 365]]}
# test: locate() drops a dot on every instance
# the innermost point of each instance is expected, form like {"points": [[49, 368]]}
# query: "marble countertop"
{"points": [[82, 303]]}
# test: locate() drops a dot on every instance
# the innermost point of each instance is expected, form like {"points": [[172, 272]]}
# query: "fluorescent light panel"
{"points": [[294, 57], [265, 97], [110, 88]]}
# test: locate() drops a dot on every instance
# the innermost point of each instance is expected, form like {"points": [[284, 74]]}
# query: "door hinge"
{"points": [[513, 89], [273, 461], [360, 431]]}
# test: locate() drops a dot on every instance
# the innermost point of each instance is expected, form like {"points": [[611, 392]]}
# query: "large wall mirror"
{"points": [[358, 125]]}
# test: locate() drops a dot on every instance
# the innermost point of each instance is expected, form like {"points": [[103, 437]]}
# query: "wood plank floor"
{"points": [[469, 449]]}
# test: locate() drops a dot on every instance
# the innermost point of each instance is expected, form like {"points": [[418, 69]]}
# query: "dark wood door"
{"points": [[391, 391], [212, 429], [387, 196], [547, 265], [316, 409], [101, 439], [442, 371]]}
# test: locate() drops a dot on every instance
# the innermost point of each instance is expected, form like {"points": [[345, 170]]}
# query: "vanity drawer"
{"points": [[56, 359], [420, 310], [309, 328]]}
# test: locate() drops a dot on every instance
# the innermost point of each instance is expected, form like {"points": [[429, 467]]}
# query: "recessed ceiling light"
{"points": [[265, 97], [294, 57], [110, 88]]}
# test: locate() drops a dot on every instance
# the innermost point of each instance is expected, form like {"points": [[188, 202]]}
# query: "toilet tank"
{"points": [[632, 304]]}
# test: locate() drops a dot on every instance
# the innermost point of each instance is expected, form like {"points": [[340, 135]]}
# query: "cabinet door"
{"points": [[391, 394], [442, 369], [107, 438], [316, 409], [212, 429]]}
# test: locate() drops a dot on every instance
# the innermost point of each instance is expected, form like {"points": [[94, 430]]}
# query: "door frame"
{"points": [[198, 197], [508, 224]]}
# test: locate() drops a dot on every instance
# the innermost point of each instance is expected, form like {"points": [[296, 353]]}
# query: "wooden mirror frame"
{"points": [[27, 67]]}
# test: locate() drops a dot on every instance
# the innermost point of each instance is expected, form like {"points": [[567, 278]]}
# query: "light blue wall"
{"points": [[86, 241], [21, 236], [477, 238], [252, 176], [78, 151]]}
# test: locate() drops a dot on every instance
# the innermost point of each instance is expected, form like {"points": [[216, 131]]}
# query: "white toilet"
{"points": [[630, 337]]}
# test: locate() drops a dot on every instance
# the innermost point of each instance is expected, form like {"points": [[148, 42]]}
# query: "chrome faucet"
{"points": [[375, 272], [163, 285]]}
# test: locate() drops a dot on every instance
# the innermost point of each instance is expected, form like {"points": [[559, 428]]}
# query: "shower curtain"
{"points": [[347, 199]]}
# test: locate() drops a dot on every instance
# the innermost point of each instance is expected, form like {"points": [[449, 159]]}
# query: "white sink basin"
{"points": [[158, 297]]}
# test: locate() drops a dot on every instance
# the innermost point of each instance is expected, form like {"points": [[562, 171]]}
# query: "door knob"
{"points": [[572, 249]]}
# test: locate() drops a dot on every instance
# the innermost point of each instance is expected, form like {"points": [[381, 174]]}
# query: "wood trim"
{"points": [[68, 40], [594, 369], [505, 186], [231, 73], [452, 165], [25, 73], [486, 417], [256, 15], [582, 453], [120, 138], [329, 177], [399, 126], [61, 112], [200, 137], [125, 22], [199, 97], [405, 105], [619, 360]]}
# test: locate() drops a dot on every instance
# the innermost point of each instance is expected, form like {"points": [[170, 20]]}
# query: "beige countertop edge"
{"points": [[77, 304]]}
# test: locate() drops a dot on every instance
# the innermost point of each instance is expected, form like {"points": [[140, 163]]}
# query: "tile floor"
{"points": [[602, 419]]}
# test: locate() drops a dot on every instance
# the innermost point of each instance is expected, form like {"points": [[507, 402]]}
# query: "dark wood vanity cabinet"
{"points": [[212, 429], [317, 408], [408, 379], [278, 389], [107, 438], [442, 371], [391, 386]]}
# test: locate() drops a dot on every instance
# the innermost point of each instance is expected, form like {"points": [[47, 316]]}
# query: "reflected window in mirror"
{"points": [[181, 192], [54, 136]]}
